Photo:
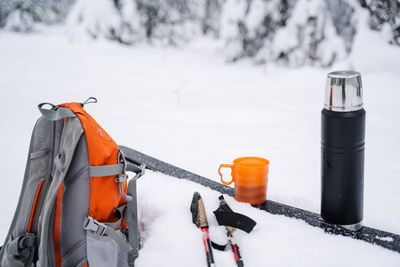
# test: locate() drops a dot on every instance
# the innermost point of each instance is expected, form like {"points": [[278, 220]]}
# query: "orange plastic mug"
{"points": [[250, 175]]}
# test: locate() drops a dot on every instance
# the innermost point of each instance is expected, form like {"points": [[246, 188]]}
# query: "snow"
{"points": [[275, 241], [309, 28], [370, 57], [231, 15], [189, 108], [255, 16], [92, 19], [386, 238]]}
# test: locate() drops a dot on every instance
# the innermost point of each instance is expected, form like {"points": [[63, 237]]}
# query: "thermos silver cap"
{"points": [[343, 91]]}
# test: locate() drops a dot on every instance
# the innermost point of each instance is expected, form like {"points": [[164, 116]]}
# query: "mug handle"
{"points": [[220, 174]]}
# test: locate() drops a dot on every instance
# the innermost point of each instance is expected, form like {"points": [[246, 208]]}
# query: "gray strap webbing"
{"points": [[39, 154], [114, 169], [106, 170], [134, 168], [117, 224], [131, 217], [102, 229], [55, 113], [58, 164]]}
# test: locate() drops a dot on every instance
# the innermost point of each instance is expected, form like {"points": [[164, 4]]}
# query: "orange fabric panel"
{"points": [[34, 206], [57, 226], [104, 192]]}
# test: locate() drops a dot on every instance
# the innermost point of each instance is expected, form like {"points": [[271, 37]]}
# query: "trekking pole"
{"points": [[199, 217], [234, 246], [232, 221]]}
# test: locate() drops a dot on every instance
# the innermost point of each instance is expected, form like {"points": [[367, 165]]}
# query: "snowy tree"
{"points": [[170, 21], [211, 17], [343, 14], [290, 32], [385, 13], [129, 21], [21, 15], [249, 26], [115, 20], [308, 37]]}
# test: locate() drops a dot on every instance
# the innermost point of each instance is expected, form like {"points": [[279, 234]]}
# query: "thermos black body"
{"points": [[342, 150]]}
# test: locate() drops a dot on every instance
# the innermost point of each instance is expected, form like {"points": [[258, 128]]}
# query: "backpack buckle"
{"points": [[121, 178], [142, 168], [139, 170], [90, 224], [20, 244]]}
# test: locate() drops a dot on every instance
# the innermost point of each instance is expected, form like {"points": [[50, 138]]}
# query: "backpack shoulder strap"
{"points": [[22, 234], [70, 137]]}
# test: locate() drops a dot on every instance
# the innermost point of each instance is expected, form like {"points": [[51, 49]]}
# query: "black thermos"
{"points": [[342, 146]]}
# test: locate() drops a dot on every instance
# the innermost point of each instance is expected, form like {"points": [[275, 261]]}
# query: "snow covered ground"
{"points": [[189, 108]]}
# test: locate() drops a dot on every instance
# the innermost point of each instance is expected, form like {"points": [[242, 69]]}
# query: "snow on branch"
{"points": [[289, 32]]}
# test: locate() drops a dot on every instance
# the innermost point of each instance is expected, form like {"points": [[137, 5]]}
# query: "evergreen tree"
{"points": [[291, 32], [384, 13], [21, 15], [309, 37]]}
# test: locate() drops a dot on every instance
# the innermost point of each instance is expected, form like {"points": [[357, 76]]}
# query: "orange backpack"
{"points": [[76, 207]]}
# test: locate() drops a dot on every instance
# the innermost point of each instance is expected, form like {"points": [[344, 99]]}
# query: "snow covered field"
{"points": [[189, 108]]}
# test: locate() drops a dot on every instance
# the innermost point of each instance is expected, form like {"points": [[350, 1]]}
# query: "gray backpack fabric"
{"points": [[58, 158]]}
